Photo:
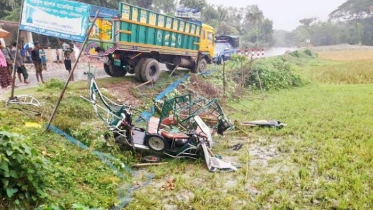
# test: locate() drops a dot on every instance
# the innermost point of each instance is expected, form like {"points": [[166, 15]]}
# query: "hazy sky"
{"points": [[287, 13]]}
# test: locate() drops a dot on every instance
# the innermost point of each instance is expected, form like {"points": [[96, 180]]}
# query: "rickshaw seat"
{"points": [[153, 124], [174, 135]]}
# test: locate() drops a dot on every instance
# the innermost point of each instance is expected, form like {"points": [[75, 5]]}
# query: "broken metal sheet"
{"points": [[213, 163], [23, 100], [265, 123]]}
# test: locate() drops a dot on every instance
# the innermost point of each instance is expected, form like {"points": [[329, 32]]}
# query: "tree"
{"points": [[307, 21], [195, 4], [10, 10], [267, 32], [255, 17], [165, 6], [353, 10]]}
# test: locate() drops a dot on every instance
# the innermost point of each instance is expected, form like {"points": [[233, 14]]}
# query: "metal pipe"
{"points": [[72, 71], [15, 57]]}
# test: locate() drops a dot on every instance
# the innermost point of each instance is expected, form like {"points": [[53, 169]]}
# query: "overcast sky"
{"points": [[287, 13]]}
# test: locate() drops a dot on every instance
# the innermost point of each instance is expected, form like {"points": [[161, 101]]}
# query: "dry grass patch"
{"points": [[341, 67], [347, 55]]}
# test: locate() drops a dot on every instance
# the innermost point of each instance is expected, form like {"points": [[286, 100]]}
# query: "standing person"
{"points": [[23, 54], [20, 67], [66, 48], [43, 58], [5, 79], [28, 57], [8, 57], [35, 56]]}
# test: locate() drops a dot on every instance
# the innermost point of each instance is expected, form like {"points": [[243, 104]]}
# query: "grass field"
{"points": [[341, 67], [323, 159], [328, 142]]}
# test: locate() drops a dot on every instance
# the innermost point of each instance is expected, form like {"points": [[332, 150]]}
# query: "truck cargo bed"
{"points": [[146, 30]]}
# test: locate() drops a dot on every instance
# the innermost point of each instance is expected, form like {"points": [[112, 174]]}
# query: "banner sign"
{"points": [[62, 19]]}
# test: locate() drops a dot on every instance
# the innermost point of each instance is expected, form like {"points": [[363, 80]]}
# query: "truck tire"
{"points": [[116, 71], [150, 70], [202, 65], [106, 68], [138, 69], [170, 67]]}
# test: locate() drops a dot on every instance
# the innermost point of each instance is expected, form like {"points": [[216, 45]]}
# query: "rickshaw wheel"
{"points": [[157, 143], [151, 159]]}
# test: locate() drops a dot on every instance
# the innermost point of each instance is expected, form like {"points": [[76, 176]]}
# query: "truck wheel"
{"points": [[116, 71], [150, 70], [170, 67], [138, 69], [202, 65], [107, 71]]}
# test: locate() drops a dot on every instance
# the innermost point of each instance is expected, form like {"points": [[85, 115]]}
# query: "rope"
{"points": [[108, 159]]}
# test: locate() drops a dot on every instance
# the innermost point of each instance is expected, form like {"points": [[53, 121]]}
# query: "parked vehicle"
{"points": [[136, 40], [225, 47]]}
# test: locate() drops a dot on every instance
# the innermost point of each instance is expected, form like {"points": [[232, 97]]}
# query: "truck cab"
{"points": [[207, 41], [225, 47]]}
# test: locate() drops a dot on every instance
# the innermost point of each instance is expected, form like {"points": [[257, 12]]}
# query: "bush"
{"points": [[52, 84], [295, 54], [22, 169], [270, 74], [308, 52]]}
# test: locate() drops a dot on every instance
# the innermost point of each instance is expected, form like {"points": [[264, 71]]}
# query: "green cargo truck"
{"points": [[139, 39]]}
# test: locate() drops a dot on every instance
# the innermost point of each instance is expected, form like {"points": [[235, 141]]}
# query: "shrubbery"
{"points": [[274, 74], [270, 73], [22, 169]]}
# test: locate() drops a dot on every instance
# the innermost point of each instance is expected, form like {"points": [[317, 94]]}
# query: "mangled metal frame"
{"points": [[185, 109], [182, 107]]}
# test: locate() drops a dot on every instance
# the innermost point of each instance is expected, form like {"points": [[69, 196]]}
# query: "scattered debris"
{"points": [[145, 83], [151, 159], [23, 100], [213, 163], [264, 123], [32, 125], [148, 164], [44, 153], [24, 103], [170, 185], [237, 147]]}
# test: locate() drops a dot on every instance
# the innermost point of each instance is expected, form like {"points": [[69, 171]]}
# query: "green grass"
{"points": [[77, 176], [323, 159], [328, 140]]}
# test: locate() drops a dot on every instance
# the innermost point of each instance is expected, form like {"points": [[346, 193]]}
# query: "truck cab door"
{"points": [[211, 42], [207, 43]]}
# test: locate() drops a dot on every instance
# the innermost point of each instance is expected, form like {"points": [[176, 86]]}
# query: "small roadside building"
{"points": [[12, 28]]}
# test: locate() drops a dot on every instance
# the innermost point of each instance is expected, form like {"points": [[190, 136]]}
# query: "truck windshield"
{"points": [[220, 47]]}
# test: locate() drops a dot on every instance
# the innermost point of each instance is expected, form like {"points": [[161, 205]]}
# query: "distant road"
{"points": [[277, 51]]}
